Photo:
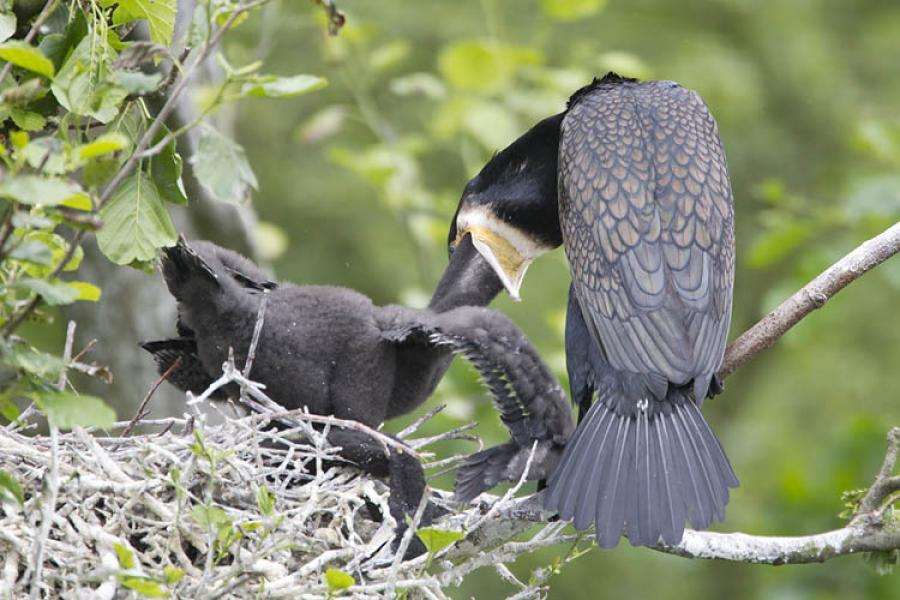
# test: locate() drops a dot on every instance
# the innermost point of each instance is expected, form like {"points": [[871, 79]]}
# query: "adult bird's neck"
{"points": [[468, 280]]}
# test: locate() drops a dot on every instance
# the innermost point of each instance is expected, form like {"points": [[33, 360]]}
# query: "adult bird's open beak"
{"points": [[505, 258], [507, 249]]}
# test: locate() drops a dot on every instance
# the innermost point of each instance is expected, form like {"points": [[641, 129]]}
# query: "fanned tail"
{"points": [[643, 473]]}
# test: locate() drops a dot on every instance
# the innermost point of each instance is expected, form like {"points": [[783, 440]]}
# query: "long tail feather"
{"points": [[645, 473]]}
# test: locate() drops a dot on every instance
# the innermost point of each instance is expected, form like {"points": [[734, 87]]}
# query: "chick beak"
{"points": [[506, 260]]}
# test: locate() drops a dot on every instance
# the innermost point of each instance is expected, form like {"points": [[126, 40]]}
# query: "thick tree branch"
{"points": [[869, 531], [813, 295]]}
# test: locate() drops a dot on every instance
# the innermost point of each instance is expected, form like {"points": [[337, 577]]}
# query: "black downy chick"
{"points": [[332, 350]]}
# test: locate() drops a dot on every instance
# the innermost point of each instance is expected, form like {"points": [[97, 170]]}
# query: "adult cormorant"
{"points": [[631, 178], [334, 352]]}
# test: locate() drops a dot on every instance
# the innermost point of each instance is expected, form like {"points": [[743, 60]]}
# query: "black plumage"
{"points": [[637, 175], [336, 353]]}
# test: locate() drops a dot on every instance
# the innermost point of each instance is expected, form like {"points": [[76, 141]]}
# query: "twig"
{"points": [[140, 414], [813, 295], [67, 353], [885, 484], [408, 535], [414, 426], [52, 479], [87, 348], [257, 329]]}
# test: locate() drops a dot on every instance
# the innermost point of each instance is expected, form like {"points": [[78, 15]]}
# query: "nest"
{"points": [[233, 510]]}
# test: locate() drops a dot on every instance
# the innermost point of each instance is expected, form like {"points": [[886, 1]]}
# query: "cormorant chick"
{"points": [[333, 351]]}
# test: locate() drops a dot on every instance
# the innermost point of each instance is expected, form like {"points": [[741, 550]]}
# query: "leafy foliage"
{"points": [[82, 152], [337, 581]]}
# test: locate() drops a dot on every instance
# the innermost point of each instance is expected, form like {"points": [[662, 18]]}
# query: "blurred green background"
{"points": [[362, 178]]}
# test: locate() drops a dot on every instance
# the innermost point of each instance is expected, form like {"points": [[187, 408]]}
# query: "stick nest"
{"points": [[219, 511]]}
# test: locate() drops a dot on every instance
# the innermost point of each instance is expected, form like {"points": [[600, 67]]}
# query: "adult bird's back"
{"points": [[636, 173], [647, 220]]}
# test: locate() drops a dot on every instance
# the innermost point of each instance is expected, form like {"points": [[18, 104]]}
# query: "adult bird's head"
{"points": [[510, 208]]}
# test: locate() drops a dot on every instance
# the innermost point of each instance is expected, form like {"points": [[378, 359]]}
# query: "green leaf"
{"points": [[99, 170], [135, 222], [106, 143], [198, 33], [35, 362], [26, 92], [32, 251], [107, 101], [476, 66], [389, 55], [144, 586], [54, 293], [27, 120], [337, 580], [221, 167], [424, 84], [27, 57], [490, 124], [79, 202], [265, 501], [159, 14], [166, 168], [173, 574], [322, 124], [67, 409], [436, 540], [272, 241], [211, 517], [8, 410], [136, 82], [7, 25], [86, 291], [125, 556], [778, 241], [59, 247], [570, 10], [223, 16], [19, 139], [883, 562], [55, 46], [46, 153], [37, 191], [81, 87], [10, 490], [271, 86]]}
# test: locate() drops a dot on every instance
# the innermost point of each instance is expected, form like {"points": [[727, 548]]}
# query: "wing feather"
{"points": [[646, 212]]}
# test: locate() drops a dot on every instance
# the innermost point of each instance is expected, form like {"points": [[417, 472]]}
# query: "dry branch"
{"points": [[810, 297]]}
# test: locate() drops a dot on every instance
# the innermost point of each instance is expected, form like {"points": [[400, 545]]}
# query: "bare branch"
{"points": [[813, 295], [51, 480], [141, 411]]}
